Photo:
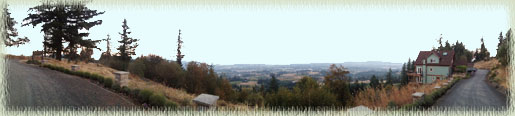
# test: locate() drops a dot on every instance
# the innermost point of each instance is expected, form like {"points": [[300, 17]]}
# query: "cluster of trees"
{"points": [[503, 48], [460, 52], [335, 91], [307, 92], [196, 78], [407, 68], [66, 24], [126, 50], [61, 24], [377, 83]]}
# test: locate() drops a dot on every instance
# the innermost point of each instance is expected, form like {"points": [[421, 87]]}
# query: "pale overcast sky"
{"points": [[239, 35]]}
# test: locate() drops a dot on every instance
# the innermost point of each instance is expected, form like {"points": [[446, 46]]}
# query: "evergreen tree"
{"points": [[61, 23], [274, 84], [408, 66], [127, 44], [179, 45], [503, 49], [501, 38], [389, 78], [483, 53], [440, 42], [404, 76], [447, 46], [374, 82], [10, 32]]}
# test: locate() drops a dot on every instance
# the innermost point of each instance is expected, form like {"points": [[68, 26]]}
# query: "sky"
{"points": [[241, 35]]}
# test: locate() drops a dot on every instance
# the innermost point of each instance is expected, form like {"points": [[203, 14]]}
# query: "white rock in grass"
{"points": [[417, 95], [206, 100]]}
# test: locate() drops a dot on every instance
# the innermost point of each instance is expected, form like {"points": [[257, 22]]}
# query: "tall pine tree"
{"points": [[374, 82], [404, 75], [274, 84], [127, 44], [179, 46], [389, 78]]}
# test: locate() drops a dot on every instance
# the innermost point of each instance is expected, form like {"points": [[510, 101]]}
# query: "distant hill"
{"points": [[357, 69]]}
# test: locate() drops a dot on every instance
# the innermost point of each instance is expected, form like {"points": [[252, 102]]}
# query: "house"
{"points": [[433, 65]]}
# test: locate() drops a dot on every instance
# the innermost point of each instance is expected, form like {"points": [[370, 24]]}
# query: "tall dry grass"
{"points": [[380, 98], [488, 64]]}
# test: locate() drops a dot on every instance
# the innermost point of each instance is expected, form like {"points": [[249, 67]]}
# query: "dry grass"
{"points": [[89, 67], [489, 64], [176, 95], [502, 75], [374, 98], [179, 96], [500, 72]]}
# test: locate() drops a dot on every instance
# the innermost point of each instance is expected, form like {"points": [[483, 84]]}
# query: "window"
{"points": [[431, 69]]}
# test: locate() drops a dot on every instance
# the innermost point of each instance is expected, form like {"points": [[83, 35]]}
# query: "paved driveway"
{"points": [[29, 85], [473, 93]]}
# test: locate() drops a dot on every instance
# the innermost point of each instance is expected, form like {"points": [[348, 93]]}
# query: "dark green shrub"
{"points": [[428, 101], [67, 71], [116, 87], [144, 95], [125, 90], [94, 77], [461, 68], [33, 62], [157, 100], [108, 82], [117, 64], [170, 104], [137, 67], [186, 101], [493, 75], [77, 73], [134, 92], [100, 79], [392, 105], [86, 74]]}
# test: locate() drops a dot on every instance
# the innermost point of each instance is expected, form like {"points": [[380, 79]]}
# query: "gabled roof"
{"points": [[445, 60]]}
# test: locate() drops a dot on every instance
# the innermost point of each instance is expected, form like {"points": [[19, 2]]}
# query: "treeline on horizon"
{"points": [[61, 24]]}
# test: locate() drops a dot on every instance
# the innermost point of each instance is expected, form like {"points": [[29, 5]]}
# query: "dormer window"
{"points": [[432, 60]]}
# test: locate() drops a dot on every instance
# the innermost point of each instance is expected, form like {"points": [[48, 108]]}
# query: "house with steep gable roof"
{"points": [[433, 65]]}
